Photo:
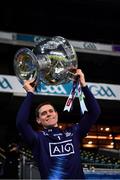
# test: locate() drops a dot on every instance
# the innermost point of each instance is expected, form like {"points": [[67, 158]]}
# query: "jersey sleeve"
{"points": [[90, 116], [22, 124]]}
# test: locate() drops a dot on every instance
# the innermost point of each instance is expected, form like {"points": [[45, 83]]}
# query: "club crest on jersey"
{"points": [[63, 148]]}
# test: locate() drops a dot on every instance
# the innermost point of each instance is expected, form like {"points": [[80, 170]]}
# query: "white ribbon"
{"points": [[81, 99], [69, 102], [71, 97]]}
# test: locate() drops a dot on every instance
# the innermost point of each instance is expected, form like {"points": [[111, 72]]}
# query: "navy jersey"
{"points": [[56, 151]]}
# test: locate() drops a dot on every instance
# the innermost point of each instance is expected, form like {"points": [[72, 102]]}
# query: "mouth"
{"points": [[49, 119]]}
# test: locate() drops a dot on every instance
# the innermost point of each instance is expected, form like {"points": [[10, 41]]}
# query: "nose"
{"points": [[48, 114]]}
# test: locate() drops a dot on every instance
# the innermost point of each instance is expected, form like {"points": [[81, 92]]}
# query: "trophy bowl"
{"points": [[52, 61]]}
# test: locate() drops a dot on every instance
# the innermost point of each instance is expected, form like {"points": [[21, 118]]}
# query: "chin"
{"points": [[51, 125]]}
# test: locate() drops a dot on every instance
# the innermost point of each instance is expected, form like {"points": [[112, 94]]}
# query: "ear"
{"points": [[38, 120]]}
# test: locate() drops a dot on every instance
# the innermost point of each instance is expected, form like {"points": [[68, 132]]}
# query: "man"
{"points": [[56, 151]]}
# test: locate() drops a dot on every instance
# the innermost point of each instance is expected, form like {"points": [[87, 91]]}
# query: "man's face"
{"points": [[48, 117]]}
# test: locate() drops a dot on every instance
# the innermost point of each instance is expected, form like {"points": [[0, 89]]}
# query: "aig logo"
{"points": [[63, 148], [102, 91]]}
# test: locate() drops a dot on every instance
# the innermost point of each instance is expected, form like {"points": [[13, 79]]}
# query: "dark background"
{"points": [[93, 20]]}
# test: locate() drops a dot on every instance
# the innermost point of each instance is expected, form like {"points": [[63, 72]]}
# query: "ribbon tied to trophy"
{"points": [[76, 90]]}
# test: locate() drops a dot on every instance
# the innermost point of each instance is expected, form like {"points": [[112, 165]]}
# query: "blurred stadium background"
{"points": [[94, 30]]}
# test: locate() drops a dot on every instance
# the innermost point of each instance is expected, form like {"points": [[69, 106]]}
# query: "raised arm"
{"points": [[23, 115], [93, 108]]}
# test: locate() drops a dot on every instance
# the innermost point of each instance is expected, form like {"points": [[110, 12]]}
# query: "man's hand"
{"points": [[29, 85], [81, 77]]}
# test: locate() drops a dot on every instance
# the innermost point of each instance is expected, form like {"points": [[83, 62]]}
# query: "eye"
{"points": [[43, 113], [51, 110]]}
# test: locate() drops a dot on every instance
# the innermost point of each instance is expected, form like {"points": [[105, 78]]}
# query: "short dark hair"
{"points": [[42, 104]]}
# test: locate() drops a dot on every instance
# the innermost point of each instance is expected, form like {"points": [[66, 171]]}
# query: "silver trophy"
{"points": [[52, 61]]}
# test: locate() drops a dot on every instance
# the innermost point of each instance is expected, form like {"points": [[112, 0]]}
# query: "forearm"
{"points": [[91, 102], [24, 111], [22, 119], [93, 111]]}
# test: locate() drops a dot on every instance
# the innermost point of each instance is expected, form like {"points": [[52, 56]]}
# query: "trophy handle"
{"points": [[25, 65]]}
